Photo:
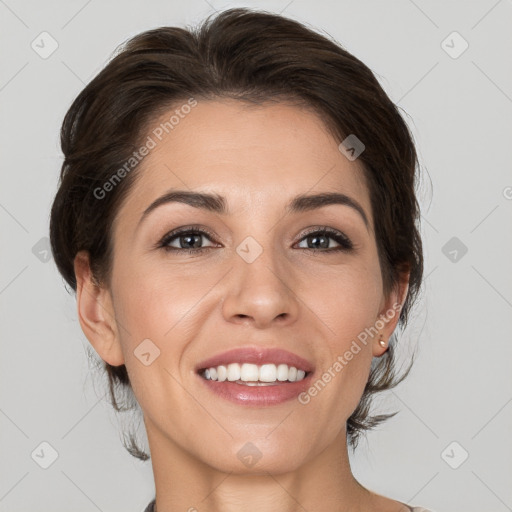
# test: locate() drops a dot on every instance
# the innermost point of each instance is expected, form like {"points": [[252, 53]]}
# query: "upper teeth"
{"points": [[252, 373]]}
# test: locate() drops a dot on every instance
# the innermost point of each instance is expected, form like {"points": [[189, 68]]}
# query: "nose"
{"points": [[261, 293]]}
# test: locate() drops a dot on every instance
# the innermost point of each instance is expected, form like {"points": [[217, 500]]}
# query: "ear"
{"points": [[96, 312], [389, 314]]}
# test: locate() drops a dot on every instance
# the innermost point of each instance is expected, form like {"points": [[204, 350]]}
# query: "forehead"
{"points": [[252, 154]]}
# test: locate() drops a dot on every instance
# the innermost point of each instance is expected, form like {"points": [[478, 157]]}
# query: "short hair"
{"points": [[252, 56]]}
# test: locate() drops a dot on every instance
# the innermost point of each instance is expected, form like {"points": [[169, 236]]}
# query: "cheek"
{"points": [[346, 299], [152, 301], [159, 312], [153, 311], [348, 305]]}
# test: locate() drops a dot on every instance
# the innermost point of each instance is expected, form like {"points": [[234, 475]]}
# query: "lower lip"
{"points": [[258, 396]]}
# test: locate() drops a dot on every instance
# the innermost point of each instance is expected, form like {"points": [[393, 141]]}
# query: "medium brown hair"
{"points": [[251, 56]]}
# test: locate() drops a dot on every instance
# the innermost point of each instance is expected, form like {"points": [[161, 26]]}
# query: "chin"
{"points": [[258, 457]]}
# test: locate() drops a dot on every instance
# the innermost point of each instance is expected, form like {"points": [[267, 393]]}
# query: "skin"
{"points": [[192, 306]]}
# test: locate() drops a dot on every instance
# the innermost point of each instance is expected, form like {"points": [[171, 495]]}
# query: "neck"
{"points": [[185, 483]]}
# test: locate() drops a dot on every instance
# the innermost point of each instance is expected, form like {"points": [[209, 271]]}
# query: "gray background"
{"points": [[459, 109]]}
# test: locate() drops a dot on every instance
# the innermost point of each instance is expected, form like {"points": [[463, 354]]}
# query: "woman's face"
{"points": [[261, 282]]}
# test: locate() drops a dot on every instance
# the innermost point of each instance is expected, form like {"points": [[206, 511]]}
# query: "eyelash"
{"points": [[345, 243]]}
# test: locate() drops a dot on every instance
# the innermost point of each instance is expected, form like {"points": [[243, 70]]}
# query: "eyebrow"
{"points": [[217, 204]]}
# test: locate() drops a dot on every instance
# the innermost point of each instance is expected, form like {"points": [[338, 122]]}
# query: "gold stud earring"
{"points": [[382, 343]]}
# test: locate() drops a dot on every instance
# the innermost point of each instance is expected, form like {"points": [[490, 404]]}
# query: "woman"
{"points": [[237, 216]]}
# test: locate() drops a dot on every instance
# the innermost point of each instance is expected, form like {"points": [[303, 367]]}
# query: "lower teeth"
{"points": [[249, 383]]}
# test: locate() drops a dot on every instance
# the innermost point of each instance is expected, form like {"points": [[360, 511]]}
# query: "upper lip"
{"points": [[256, 355]]}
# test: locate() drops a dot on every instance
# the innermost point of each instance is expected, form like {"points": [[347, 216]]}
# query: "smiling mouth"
{"points": [[248, 374]]}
